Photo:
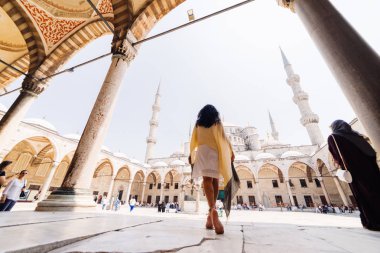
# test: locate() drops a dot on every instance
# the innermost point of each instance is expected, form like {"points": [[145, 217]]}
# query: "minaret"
{"points": [[273, 127], [151, 140], [308, 119]]}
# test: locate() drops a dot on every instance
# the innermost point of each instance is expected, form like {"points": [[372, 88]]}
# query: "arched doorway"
{"points": [[245, 194], [102, 179], [137, 185], [122, 181], [172, 186], [36, 154], [153, 188], [272, 186]]}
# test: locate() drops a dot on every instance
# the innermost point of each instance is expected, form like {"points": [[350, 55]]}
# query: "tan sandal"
{"points": [[219, 229]]}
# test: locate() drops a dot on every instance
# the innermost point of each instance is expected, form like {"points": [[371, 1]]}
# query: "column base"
{"points": [[67, 199]]}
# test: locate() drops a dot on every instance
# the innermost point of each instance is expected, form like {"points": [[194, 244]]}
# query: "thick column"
{"points": [[290, 193], [75, 191], [353, 62], [31, 88], [325, 191], [341, 192], [182, 198], [45, 186], [110, 188], [162, 192]]}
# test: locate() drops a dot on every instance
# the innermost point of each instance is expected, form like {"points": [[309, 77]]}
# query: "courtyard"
{"points": [[146, 230]]}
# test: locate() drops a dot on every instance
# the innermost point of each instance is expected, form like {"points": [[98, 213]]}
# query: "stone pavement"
{"points": [[149, 231]]}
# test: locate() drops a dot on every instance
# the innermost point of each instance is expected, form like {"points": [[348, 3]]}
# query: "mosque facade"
{"points": [[271, 172]]}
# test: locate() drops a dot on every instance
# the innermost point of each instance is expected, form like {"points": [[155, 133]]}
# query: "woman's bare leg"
{"points": [[215, 184], [209, 191]]}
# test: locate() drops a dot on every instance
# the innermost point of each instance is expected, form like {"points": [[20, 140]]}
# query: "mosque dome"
{"points": [[160, 164], [242, 158], [265, 156], [134, 161], [177, 163], [105, 148], [75, 137], [3, 108], [120, 155], [292, 154], [177, 153], [147, 166], [41, 123]]}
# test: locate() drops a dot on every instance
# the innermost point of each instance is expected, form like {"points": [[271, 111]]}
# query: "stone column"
{"points": [[341, 192], [110, 188], [143, 192], [75, 191], [182, 198], [45, 186], [31, 88], [325, 191], [129, 187], [259, 197], [290, 193], [352, 61]]}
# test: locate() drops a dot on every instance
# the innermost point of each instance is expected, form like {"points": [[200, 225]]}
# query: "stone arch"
{"points": [[28, 30], [304, 168], [121, 182], [61, 170], [153, 187], [102, 178], [137, 185], [36, 154], [246, 192]]}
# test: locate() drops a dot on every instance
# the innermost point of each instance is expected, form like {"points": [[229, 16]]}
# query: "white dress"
{"points": [[206, 163]]}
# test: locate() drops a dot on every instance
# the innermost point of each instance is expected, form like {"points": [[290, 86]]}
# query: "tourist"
{"points": [[116, 204], [213, 157], [163, 206], [261, 207], [3, 165], [13, 190], [132, 204], [351, 151], [168, 206], [103, 203]]}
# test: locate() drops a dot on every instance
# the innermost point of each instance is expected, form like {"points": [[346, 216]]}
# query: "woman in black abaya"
{"points": [[360, 160]]}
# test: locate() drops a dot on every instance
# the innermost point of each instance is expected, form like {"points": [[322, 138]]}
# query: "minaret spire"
{"points": [[151, 139], [273, 127], [308, 118]]}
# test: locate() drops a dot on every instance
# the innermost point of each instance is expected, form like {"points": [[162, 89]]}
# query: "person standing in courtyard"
{"points": [[352, 152], [12, 192], [211, 154], [132, 204], [3, 165]]}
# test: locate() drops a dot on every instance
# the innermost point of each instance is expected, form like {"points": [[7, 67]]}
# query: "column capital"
{"points": [[287, 4], [124, 49], [33, 85]]}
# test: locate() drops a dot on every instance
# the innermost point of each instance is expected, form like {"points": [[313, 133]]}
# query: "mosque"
{"points": [[271, 172], [37, 37]]}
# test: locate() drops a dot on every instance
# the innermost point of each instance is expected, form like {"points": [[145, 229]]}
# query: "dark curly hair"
{"points": [[208, 116]]}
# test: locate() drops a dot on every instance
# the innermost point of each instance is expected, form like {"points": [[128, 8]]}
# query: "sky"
{"points": [[231, 61]]}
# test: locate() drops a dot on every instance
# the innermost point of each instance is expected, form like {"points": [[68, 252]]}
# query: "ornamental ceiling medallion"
{"points": [[55, 19]]}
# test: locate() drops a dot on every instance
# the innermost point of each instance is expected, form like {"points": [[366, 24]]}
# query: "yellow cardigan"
{"points": [[215, 138]]}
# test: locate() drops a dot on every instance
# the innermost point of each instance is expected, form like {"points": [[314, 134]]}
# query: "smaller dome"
{"points": [[177, 153], [177, 163], [3, 108], [265, 156], [292, 154], [134, 161], [120, 155], [242, 158], [105, 148], [159, 164], [147, 166], [75, 137], [41, 122]]}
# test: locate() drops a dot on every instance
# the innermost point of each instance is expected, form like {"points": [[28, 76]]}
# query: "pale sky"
{"points": [[231, 61]]}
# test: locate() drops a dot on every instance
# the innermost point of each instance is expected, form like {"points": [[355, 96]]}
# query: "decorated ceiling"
{"points": [[33, 30]]}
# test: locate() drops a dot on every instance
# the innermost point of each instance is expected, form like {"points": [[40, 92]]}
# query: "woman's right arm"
{"points": [[2, 179], [193, 144]]}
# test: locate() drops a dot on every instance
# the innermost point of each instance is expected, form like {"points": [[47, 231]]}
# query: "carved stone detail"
{"points": [[124, 49], [33, 85]]}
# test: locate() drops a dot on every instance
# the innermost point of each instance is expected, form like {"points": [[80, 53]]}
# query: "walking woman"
{"points": [[211, 155], [351, 151], [13, 190]]}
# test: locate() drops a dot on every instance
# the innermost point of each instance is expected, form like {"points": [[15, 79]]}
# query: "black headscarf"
{"points": [[342, 128], [4, 164]]}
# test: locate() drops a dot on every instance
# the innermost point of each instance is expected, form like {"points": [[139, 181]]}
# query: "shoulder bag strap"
{"points": [[341, 157]]}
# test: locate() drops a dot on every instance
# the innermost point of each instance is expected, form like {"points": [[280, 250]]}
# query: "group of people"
{"points": [[166, 207], [14, 189], [334, 209]]}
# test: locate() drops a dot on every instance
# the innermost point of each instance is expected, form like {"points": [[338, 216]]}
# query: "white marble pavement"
{"points": [[148, 231]]}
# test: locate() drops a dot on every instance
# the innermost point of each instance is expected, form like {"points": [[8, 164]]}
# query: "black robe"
{"points": [[365, 184]]}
